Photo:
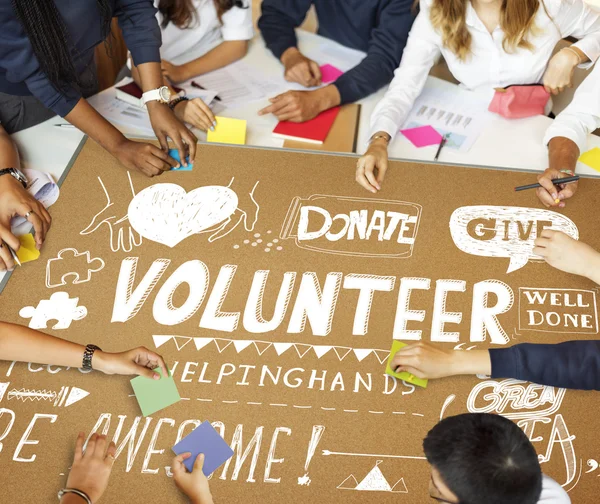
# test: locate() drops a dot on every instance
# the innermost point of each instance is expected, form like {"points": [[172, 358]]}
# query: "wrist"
{"points": [[202, 499], [290, 52], [593, 273], [71, 498], [328, 97], [471, 362], [99, 360]]}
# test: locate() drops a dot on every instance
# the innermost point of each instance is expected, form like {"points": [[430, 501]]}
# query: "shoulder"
{"points": [[557, 7], [552, 492]]}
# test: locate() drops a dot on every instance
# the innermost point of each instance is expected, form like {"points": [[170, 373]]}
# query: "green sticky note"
{"points": [[407, 377], [591, 158], [154, 395]]}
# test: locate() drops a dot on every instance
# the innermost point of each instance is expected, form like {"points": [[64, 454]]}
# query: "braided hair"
{"points": [[182, 12], [49, 38]]}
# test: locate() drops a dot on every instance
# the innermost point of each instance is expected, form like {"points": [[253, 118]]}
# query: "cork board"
{"points": [[275, 294]]}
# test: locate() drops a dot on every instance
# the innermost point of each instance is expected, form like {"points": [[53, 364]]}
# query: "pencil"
{"points": [[12, 252], [558, 181], [442, 143]]}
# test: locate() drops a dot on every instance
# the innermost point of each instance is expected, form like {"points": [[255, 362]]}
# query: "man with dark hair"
{"points": [[481, 458], [377, 27]]}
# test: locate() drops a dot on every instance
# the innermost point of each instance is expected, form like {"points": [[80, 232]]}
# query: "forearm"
{"points": [[18, 343], [225, 53], [562, 154], [9, 156], [472, 362]]}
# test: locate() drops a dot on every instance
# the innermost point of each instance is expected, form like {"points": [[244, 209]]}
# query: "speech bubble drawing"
{"points": [[493, 231]]}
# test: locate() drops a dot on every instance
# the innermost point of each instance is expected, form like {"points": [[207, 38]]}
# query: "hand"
{"points": [[559, 73], [295, 106], [197, 113], [138, 361], [143, 157], [174, 73], [16, 200], [300, 69], [549, 193], [427, 361], [371, 168], [566, 254], [193, 484], [166, 125], [91, 470], [114, 217]]}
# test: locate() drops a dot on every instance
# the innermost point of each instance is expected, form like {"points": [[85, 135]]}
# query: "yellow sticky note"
{"points": [[27, 252], [227, 130], [407, 377], [591, 158]]}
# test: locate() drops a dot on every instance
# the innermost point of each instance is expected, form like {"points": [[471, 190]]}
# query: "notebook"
{"points": [[313, 131]]}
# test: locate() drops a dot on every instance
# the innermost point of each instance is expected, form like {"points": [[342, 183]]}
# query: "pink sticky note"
{"points": [[422, 136], [329, 73]]}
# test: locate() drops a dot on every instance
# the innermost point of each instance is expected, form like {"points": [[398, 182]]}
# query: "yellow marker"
{"points": [[28, 251]]}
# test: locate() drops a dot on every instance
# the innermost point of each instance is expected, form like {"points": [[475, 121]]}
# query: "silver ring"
{"points": [[28, 214]]}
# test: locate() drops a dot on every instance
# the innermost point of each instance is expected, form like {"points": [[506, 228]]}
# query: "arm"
{"points": [[18, 343], [277, 22], [577, 20], [386, 46], [573, 364]]}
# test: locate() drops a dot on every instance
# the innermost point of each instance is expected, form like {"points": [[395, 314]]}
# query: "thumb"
{"points": [[199, 463]]}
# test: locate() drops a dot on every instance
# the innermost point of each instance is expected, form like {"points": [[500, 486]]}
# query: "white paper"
{"points": [[457, 113], [120, 112], [44, 189]]}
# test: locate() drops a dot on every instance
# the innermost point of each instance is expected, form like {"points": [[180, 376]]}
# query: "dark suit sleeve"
{"points": [[137, 19], [386, 45], [278, 20], [572, 365]]}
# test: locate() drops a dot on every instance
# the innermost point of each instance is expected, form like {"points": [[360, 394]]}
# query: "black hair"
{"points": [[485, 458], [49, 38], [182, 12]]}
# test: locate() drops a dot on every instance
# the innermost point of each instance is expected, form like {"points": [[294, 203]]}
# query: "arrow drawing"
{"points": [[63, 398], [327, 452]]}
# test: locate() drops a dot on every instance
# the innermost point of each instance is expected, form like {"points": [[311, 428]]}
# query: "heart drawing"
{"points": [[166, 214]]}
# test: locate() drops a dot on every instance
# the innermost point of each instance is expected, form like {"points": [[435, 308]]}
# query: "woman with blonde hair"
{"points": [[487, 44]]}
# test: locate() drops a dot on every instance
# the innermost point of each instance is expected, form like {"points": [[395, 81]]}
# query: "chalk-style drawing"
{"points": [[447, 403], [3, 387], [591, 463], [327, 453], [494, 231], [59, 307], [365, 227], [65, 397], [114, 217], [317, 434], [461, 345], [374, 481], [167, 214], [61, 267]]}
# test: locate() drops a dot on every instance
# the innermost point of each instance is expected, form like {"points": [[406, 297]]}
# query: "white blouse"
{"points": [[206, 31], [488, 66]]}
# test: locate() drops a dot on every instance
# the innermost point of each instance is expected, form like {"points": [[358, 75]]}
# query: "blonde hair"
{"points": [[516, 20]]}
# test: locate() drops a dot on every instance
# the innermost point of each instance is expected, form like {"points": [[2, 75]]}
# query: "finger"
{"points": [[46, 216], [39, 227], [541, 241], [160, 363], [165, 162], [372, 180], [404, 360], [381, 171], [79, 447], [315, 70], [10, 239], [567, 191], [6, 257], [540, 251], [100, 448], [548, 233], [302, 73], [546, 181], [199, 462], [369, 167], [191, 142], [162, 140], [545, 198], [547, 88], [206, 110], [413, 371], [277, 106], [293, 116], [91, 445], [362, 180]]}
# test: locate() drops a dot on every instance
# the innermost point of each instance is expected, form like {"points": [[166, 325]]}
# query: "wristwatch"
{"points": [[18, 174], [162, 95], [87, 356]]}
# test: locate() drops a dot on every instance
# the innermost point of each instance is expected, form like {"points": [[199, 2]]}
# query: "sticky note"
{"points": [[174, 153], [204, 439], [154, 395], [591, 158], [227, 130], [27, 252], [329, 73], [407, 377], [422, 136]]}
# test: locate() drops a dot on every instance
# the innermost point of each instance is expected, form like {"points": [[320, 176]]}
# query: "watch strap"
{"points": [[16, 174], [87, 356]]}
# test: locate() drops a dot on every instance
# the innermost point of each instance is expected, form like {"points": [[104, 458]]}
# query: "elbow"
{"points": [[242, 48]]}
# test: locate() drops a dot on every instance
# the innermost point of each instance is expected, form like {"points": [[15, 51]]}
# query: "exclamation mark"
{"points": [[317, 434]]}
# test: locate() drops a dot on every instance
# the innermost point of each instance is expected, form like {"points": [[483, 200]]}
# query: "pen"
{"points": [[65, 126], [196, 85], [559, 181], [12, 252], [442, 143]]}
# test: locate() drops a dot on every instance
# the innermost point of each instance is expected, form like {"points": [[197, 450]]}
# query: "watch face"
{"points": [[165, 94]]}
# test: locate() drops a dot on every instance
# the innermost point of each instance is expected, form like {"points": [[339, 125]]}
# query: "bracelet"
{"points": [[177, 100], [571, 173], [87, 356], [81, 494], [378, 136], [574, 52]]}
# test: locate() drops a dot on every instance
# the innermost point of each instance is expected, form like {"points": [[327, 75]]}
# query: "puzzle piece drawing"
{"points": [[79, 266], [59, 307]]}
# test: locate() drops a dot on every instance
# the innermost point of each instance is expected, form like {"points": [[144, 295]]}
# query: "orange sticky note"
{"points": [[27, 252]]}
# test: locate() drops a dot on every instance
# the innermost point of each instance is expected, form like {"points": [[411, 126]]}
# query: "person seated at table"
{"points": [[377, 27], [485, 458], [216, 30], [487, 44], [567, 140], [16, 200], [572, 365], [47, 68]]}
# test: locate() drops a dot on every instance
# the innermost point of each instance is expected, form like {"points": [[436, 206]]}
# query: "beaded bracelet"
{"points": [[571, 173]]}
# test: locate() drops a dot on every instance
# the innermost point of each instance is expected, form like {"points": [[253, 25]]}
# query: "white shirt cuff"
{"points": [[590, 49], [386, 125], [570, 131]]}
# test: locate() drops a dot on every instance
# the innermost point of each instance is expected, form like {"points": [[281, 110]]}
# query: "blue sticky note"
{"points": [[174, 153], [204, 439]]}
